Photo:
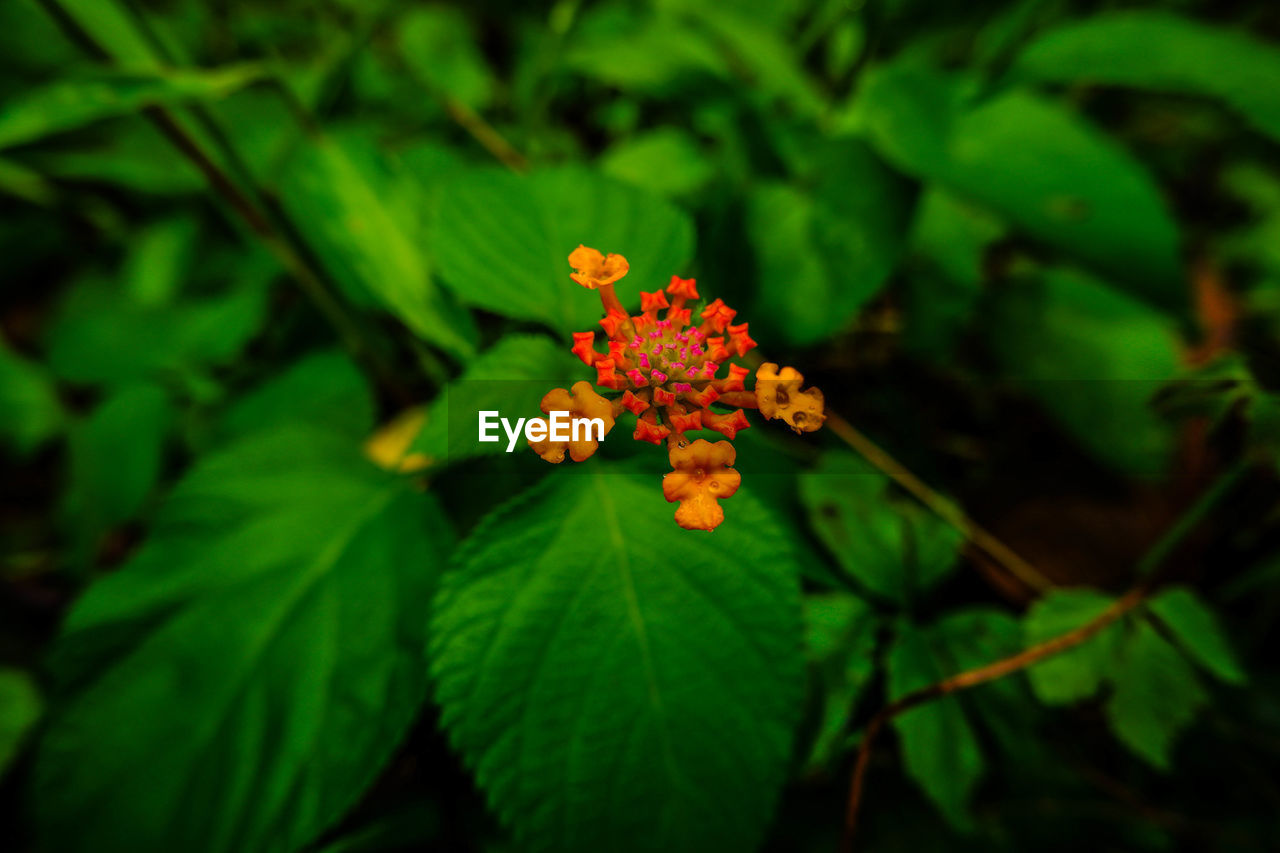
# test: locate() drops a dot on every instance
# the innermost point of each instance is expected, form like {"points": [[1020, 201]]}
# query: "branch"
{"points": [[972, 678], [484, 133], [1154, 559], [943, 507]]}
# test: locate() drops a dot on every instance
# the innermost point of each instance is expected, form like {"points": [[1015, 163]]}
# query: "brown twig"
{"points": [[943, 507], [972, 678], [483, 132], [1148, 578]]}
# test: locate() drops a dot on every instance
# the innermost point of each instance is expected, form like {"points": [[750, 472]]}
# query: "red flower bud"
{"points": [[651, 302], [685, 287], [584, 347]]}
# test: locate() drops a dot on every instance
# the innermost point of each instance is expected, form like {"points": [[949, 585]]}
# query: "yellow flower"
{"points": [[594, 269], [389, 446], [701, 477], [585, 403], [778, 395]]}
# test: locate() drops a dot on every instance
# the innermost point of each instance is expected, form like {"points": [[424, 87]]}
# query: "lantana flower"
{"points": [[670, 371], [594, 269], [779, 396], [583, 403], [701, 477]]}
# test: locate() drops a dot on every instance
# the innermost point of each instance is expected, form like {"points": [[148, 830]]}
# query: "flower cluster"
{"points": [[671, 370]]}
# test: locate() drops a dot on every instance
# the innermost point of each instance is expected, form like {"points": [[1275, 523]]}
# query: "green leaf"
{"points": [[939, 747], [115, 457], [758, 52], [115, 30], [240, 681], [503, 241], [824, 253], [440, 49], [1094, 358], [20, 708], [160, 261], [1156, 695], [1006, 709], [100, 337], [1197, 631], [949, 243], [641, 52], [135, 156], [667, 161], [30, 412], [343, 196], [1077, 673], [840, 637], [26, 184], [953, 236], [510, 377], [977, 636], [894, 550], [1028, 159], [615, 682], [70, 104], [324, 388], [1152, 49]]}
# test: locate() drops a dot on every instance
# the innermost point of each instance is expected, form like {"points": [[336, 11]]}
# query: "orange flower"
{"points": [[718, 315], [778, 395], [594, 269], [701, 477], [741, 340], [684, 288], [663, 371], [651, 302], [585, 403]]}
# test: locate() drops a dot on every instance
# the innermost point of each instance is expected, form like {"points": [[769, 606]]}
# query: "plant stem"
{"points": [[942, 506], [1152, 560], [483, 132]]}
